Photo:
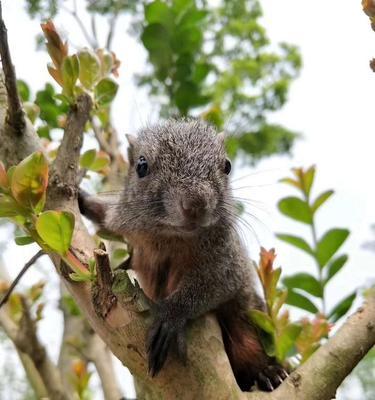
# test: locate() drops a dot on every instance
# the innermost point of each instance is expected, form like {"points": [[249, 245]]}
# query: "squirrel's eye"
{"points": [[228, 167], [142, 167]]}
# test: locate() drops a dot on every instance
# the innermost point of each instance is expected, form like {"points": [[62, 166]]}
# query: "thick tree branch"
{"points": [[10, 330], [26, 341], [16, 117], [322, 374], [97, 352], [36, 382], [63, 175]]}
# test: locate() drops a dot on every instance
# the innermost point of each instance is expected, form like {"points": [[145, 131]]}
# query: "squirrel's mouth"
{"points": [[190, 227]]}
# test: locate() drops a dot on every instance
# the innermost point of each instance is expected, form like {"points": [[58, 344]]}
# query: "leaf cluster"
{"points": [[84, 72], [218, 61], [304, 287], [22, 198]]}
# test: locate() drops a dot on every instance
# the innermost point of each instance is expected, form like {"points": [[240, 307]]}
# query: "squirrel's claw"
{"points": [[161, 336], [271, 377]]}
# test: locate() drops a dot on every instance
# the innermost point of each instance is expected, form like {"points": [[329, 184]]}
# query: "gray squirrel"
{"points": [[177, 213]]}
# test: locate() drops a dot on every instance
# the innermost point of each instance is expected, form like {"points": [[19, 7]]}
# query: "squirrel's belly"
{"points": [[158, 277]]}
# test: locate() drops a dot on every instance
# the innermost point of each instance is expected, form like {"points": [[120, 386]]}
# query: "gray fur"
{"points": [[186, 159], [181, 223]]}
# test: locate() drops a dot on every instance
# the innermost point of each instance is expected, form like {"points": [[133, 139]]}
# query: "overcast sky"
{"points": [[331, 104]]}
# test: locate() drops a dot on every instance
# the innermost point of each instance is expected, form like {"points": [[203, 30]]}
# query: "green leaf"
{"points": [[23, 240], [291, 182], [70, 73], [8, 207], [56, 229], [30, 180], [286, 340], [308, 179], [342, 308], [87, 158], [321, 199], [262, 320], [201, 71], [335, 266], [70, 305], [159, 12], [304, 281], [23, 90], [76, 277], [120, 254], [155, 37], [300, 301], [295, 241], [108, 235], [295, 208], [101, 161], [105, 91], [329, 244], [89, 72]]}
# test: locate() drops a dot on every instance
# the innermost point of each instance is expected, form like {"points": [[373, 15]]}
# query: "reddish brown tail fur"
{"points": [[244, 350]]}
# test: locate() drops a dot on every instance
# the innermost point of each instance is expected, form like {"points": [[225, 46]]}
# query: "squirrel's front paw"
{"points": [[164, 333], [271, 377]]}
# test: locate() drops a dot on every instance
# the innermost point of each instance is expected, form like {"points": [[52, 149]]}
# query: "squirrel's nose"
{"points": [[193, 208]]}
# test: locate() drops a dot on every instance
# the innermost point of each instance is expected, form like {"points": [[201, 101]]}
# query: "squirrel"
{"points": [[178, 214]]}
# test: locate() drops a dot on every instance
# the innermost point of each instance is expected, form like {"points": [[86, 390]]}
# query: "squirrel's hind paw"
{"points": [[271, 377]]}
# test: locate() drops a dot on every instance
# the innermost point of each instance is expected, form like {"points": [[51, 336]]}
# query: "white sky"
{"points": [[331, 104]]}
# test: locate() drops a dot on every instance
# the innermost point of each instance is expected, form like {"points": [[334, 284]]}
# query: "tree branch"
{"points": [[26, 341], [98, 352], [323, 372], [111, 31], [92, 41], [99, 137], [32, 260], [63, 175], [16, 117]]}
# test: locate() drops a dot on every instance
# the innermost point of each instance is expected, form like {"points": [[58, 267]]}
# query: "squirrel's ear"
{"points": [[132, 140], [221, 137]]}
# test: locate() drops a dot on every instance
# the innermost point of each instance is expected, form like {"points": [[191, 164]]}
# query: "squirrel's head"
{"points": [[178, 178]]}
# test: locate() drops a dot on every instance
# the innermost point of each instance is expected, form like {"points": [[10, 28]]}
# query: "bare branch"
{"points": [[26, 341], [32, 260], [98, 352], [99, 137], [111, 31], [63, 176], [92, 41], [102, 295], [93, 29], [15, 114]]}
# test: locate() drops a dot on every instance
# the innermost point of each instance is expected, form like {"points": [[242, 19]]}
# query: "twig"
{"points": [[74, 13], [15, 114], [112, 27], [102, 295], [93, 29], [99, 137], [19, 276]]}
